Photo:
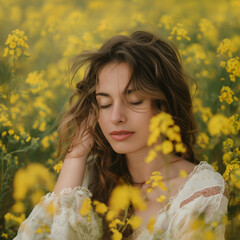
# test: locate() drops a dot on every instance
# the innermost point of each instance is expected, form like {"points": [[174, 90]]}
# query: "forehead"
{"points": [[113, 76]]}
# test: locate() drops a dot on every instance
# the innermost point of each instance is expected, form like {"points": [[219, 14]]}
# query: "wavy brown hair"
{"points": [[156, 73]]}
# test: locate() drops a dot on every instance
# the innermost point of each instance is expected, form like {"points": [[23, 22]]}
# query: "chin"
{"points": [[123, 150]]}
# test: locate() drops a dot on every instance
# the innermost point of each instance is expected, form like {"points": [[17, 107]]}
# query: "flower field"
{"points": [[38, 40]]}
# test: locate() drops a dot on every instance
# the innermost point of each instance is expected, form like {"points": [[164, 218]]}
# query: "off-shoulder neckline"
{"points": [[202, 165]]}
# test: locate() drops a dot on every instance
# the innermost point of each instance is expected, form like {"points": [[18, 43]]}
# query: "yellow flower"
{"points": [[18, 207], [4, 133], [227, 157], [57, 167], [227, 95], [44, 228], [116, 234], [167, 147], [100, 207], [36, 196], [51, 208], [5, 235], [203, 140], [42, 126], [11, 132], [86, 207], [111, 214], [179, 147], [233, 66], [115, 222], [135, 221], [16, 137], [179, 32], [119, 198], [28, 139], [183, 173], [219, 124], [209, 235], [136, 199], [35, 175], [156, 181], [18, 220], [150, 225], [161, 198], [151, 156]]}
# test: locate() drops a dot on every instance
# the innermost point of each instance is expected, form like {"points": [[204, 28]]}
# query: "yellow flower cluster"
{"points": [[235, 122], [229, 172], [134, 221], [165, 21], [86, 207], [202, 140], [4, 117], [231, 155], [17, 220], [208, 30], [220, 124], [200, 230], [228, 144], [150, 225], [195, 52], [206, 112], [34, 176], [163, 125], [227, 95], [235, 177], [156, 181], [57, 167], [179, 32], [47, 140], [233, 67], [120, 198], [100, 208], [36, 81], [44, 228], [16, 44], [226, 46]]}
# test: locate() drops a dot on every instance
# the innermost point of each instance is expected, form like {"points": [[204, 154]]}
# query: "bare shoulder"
{"points": [[187, 166]]}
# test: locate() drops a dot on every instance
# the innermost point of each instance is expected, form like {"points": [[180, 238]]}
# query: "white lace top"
{"points": [[205, 191]]}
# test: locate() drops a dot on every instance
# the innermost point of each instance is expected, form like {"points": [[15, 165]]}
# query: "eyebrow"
{"points": [[129, 91]]}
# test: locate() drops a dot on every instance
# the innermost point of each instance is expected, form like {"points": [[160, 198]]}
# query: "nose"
{"points": [[118, 114]]}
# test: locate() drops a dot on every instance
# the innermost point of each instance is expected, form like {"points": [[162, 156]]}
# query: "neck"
{"points": [[141, 171]]}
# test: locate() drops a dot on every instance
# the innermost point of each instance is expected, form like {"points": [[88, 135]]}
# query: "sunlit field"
{"points": [[39, 38]]}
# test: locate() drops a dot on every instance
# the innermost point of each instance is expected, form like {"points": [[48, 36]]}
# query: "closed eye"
{"points": [[106, 106], [133, 103], [137, 103]]}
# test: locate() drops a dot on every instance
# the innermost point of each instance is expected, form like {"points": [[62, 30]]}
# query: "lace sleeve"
{"points": [[57, 217]]}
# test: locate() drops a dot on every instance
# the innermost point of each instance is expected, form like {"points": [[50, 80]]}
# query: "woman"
{"points": [[127, 82]]}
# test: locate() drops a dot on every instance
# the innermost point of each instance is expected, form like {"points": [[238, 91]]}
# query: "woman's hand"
{"points": [[73, 169], [83, 141]]}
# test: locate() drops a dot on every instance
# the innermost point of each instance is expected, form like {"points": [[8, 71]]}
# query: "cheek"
{"points": [[102, 122]]}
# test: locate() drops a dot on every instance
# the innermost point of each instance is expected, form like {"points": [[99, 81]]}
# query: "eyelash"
{"points": [[135, 103]]}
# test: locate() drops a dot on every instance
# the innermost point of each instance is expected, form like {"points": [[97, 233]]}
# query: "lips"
{"points": [[121, 135], [122, 132]]}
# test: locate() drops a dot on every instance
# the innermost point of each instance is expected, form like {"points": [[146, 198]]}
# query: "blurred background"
{"points": [[39, 37]]}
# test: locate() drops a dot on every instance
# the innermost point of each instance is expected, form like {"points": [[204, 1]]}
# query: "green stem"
{"points": [[126, 224], [2, 177], [125, 215], [17, 151]]}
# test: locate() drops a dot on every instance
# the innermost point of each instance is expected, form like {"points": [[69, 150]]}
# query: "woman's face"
{"points": [[115, 115]]}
